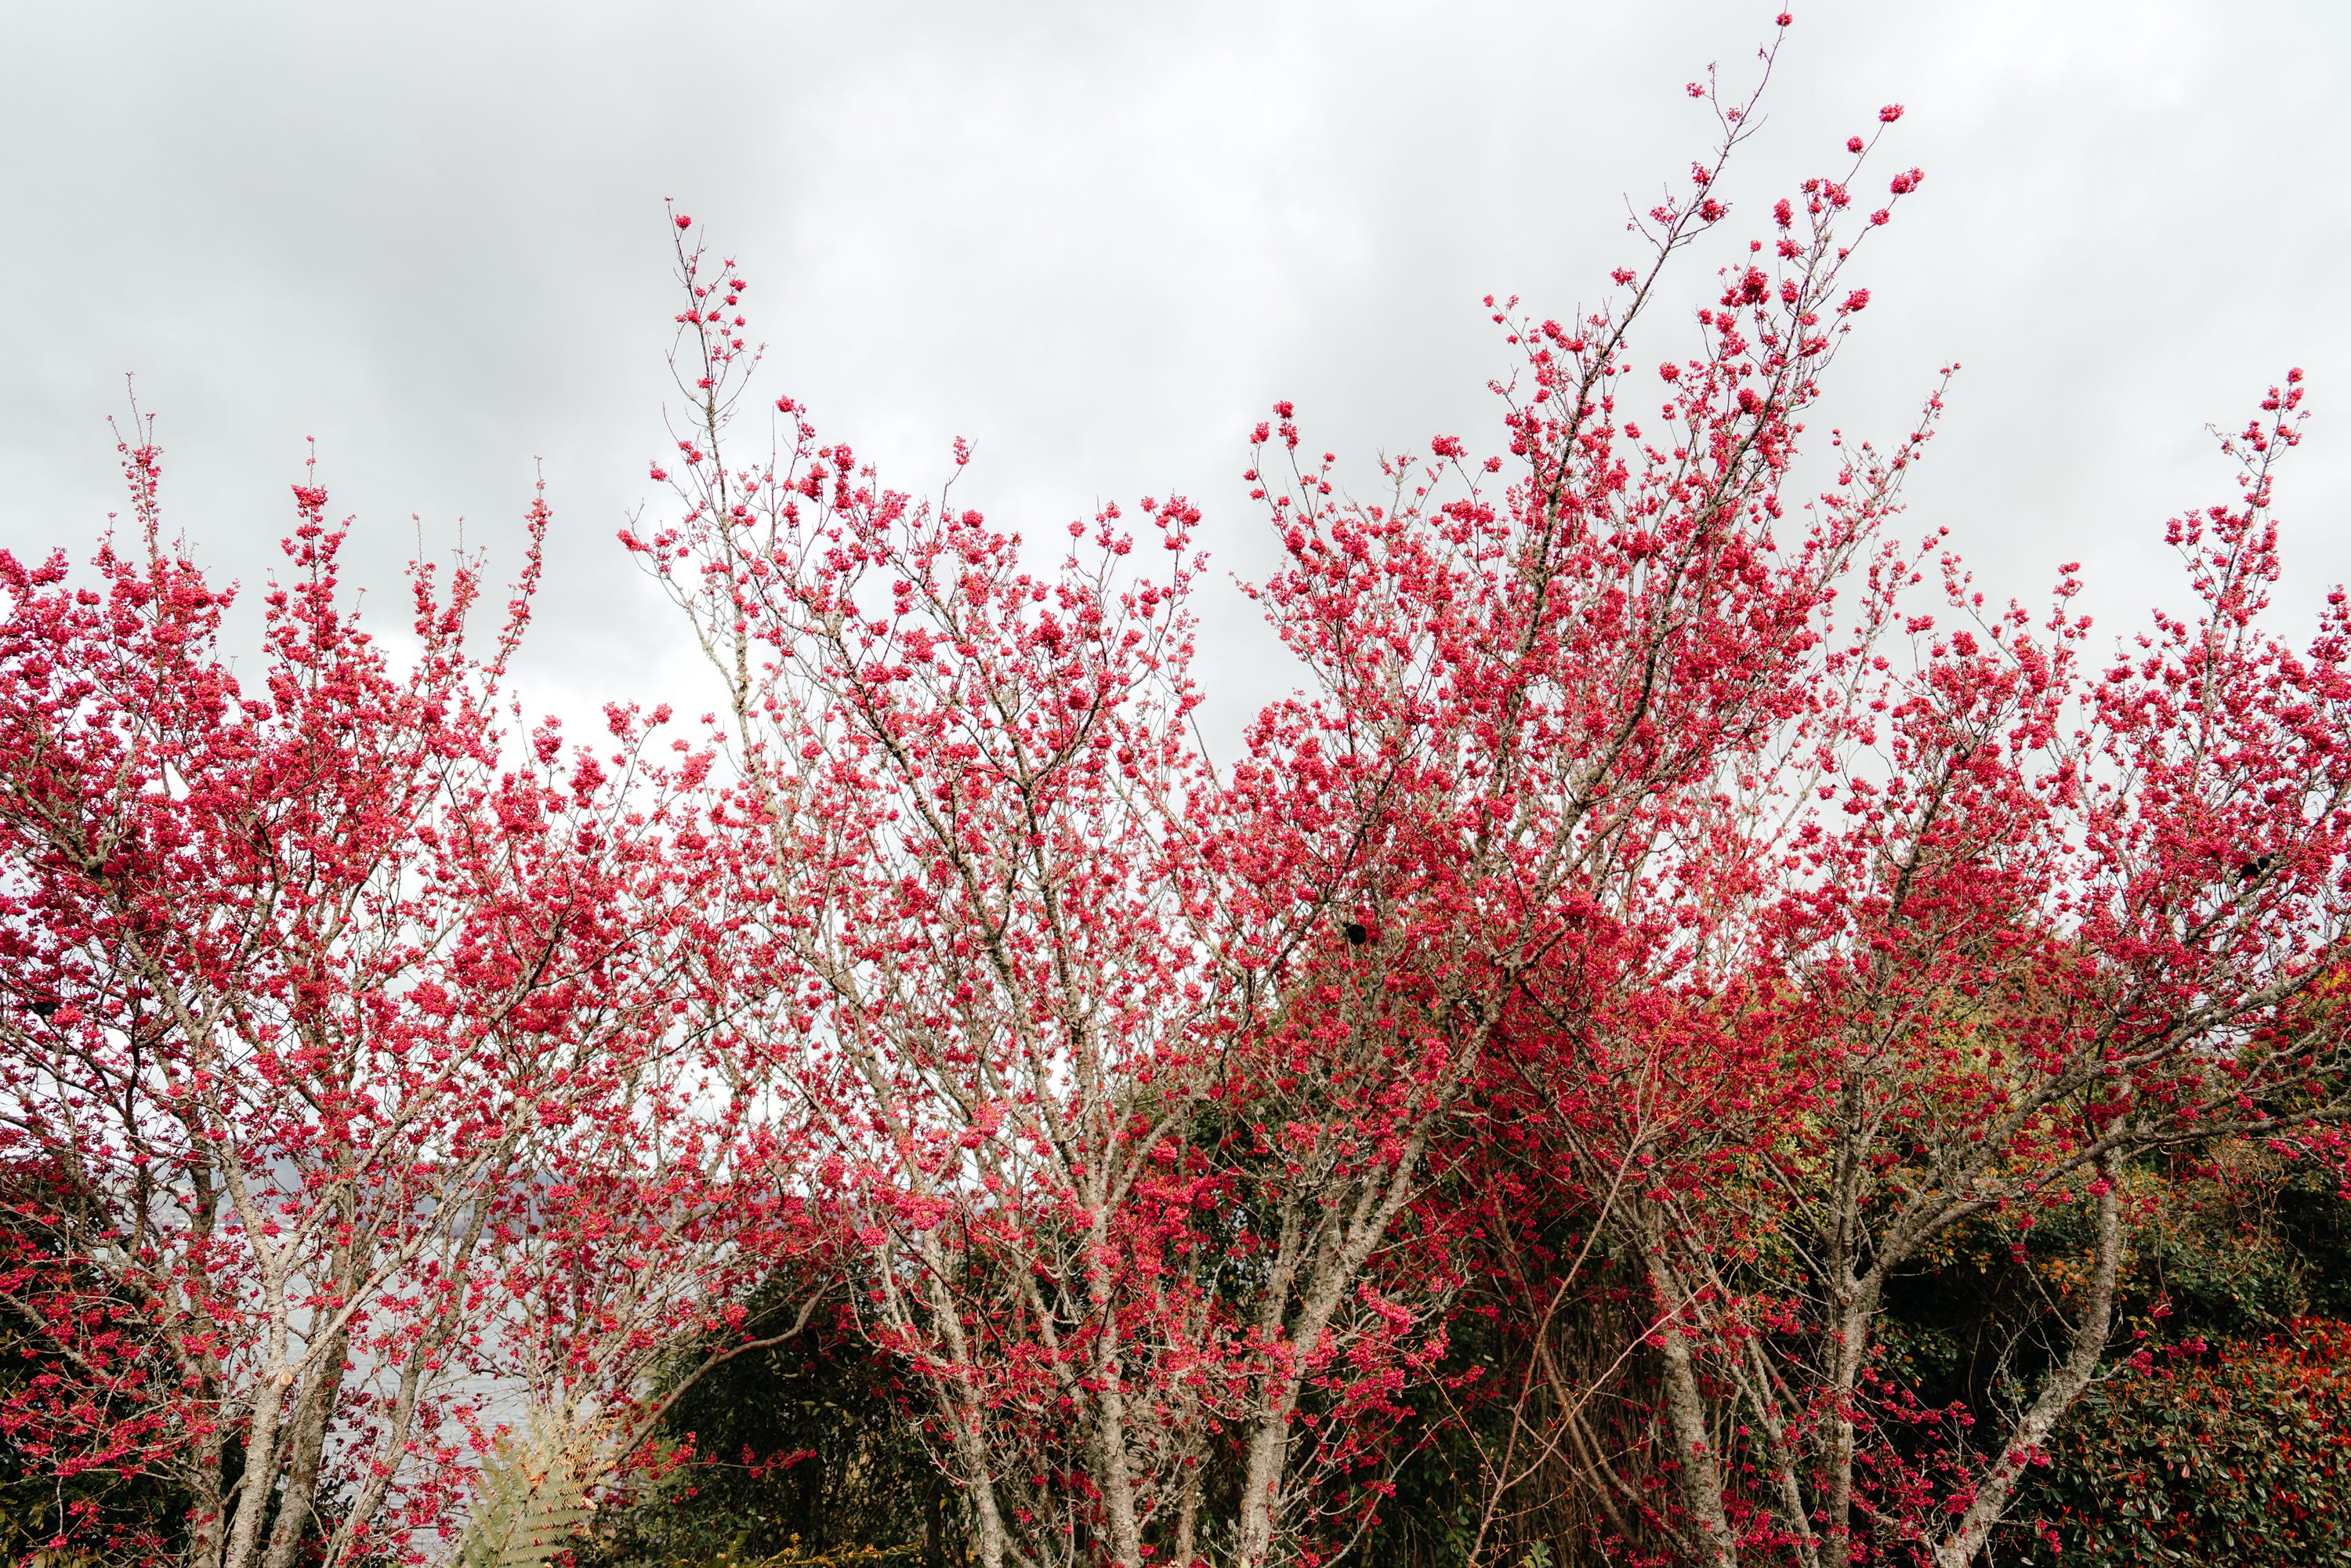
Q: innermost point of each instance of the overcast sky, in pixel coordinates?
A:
(1098, 239)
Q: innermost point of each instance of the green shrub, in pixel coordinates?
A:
(2239, 1456)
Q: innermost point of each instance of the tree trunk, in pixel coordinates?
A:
(1697, 1464)
(1112, 1474)
(1188, 1515)
(307, 1439)
(2066, 1384)
(260, 1476)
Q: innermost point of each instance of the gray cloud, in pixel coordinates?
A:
(1099, 240)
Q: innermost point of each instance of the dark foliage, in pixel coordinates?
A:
(804, 1449)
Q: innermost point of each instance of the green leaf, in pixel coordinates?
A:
(534, 1499)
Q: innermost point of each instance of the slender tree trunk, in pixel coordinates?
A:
(1260, 1488)
(1697, 1464)
(393, 1438)
(316, 1410)
(260, 1478)
(306, 1437)
(206, 1504)
(1188, 1512)
(1333, 1267)
(209, 1505)
(2064, 1386)
(958, 1406)
(1857, 1304)
(979, 1484)
(1117, 1483)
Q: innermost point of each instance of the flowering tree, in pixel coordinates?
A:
(1983, 924)
(1068, 1004)
(324, 1026)
(2073, 911)
(1555, 718)
(963, 812)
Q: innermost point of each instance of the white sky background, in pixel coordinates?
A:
(1099, 240)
